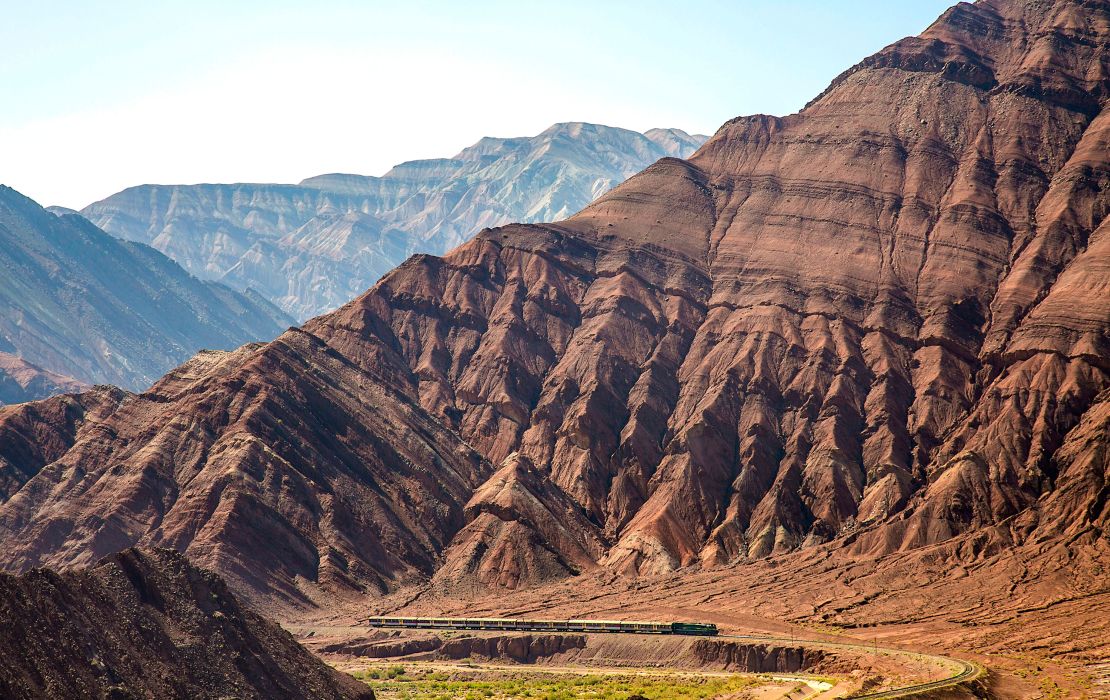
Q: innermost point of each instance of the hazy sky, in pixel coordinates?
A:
(98, 96)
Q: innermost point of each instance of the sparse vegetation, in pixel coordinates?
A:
(1050, 690)
(389, 684)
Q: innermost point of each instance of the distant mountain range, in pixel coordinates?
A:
(314, 246)
(80, 307)
(21, 381)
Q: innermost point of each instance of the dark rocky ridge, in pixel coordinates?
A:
(147, 624)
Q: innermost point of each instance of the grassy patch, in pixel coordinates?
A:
(513, 685)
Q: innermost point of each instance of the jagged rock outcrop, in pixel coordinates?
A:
(521, 530)
(148, 624)
(756, 658)
(878, 324)
(589, 649)
(381, 646)
(311, 247)
(79, 307)
(522, 648)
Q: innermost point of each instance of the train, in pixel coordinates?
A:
(519, 625)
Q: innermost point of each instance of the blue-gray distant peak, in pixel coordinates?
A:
(79, 307)
(313, 246)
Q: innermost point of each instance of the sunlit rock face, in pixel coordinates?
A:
(882, 315)
(312, 247)
(874, 325)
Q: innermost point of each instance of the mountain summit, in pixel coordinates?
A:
(311, 247)
(883, 320)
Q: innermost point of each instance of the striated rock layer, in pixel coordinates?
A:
(287, 468)
(881, 323)
(521, 528)
(884, 314)
(147, 624)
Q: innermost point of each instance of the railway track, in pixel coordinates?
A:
(964, 671)
(969, 673)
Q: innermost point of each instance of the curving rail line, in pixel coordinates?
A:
(966, 671)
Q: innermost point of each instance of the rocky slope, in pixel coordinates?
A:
(35, 434)
(145, 624)
(520, 528)
(22, 381)
(80, 307)
(314, 246)
(874, 327)
(882, 317)
(291, 469)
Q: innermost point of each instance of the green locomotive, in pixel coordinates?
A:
(520, 625)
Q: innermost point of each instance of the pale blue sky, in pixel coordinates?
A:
(100, 96)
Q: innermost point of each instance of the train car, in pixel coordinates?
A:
(694, 628)
(512, 624)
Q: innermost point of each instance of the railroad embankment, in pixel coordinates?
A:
(582, 649)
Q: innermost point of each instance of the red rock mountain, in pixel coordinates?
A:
(275, 465)
(21, 381)
(881, 322)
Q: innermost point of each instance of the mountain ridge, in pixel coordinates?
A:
(22, 381)
(268, 236)
(82, 306)
(835, 307)
(149, 624)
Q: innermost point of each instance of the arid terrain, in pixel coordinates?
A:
(147, 624)
(840, 375)
(79, 307)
